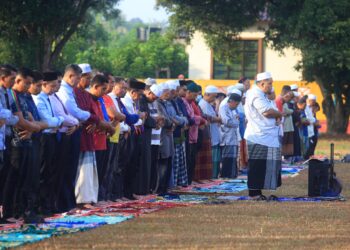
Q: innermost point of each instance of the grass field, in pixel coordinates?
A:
(239, 225)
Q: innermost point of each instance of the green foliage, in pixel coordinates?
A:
(100, 45)
(36, 31)
(320, 29)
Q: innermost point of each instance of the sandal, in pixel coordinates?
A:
(258, 198)
(272, 198)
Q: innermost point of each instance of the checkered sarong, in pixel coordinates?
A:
(264, 167)
(179, 165)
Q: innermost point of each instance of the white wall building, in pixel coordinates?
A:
(255, 57)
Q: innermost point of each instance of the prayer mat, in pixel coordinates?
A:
(283, 199)
(101, 220)
(177, 198)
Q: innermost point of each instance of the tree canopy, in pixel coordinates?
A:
(51, 34)
(34, 32)
(318, 28)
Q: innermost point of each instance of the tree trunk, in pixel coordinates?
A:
(46, 54)
(335, 110)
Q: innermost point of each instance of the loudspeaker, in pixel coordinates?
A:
(319, 173)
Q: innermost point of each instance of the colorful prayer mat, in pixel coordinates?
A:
(177, 198)
(283, 199)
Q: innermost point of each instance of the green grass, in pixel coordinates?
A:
(341, 145)
(238, 225)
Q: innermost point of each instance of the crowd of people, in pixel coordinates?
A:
(83, 137)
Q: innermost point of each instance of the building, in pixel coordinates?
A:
(254, 56)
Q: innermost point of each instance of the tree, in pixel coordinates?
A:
(36, 31)
(131, 57)
(318, 28)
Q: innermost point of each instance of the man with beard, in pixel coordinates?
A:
(264, 164)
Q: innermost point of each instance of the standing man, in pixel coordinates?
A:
(50, 174)
(229, 136)
(311, 100)
(66, 93)
(191, 95)
(19, 195)
(7, 79)
(262, 138)
(123, 158)
(166, 148)
(131, 102)
(115, 116)
(143, 177)
(64, 138)
(214, 120)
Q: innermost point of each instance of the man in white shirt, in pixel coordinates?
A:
(208, 110)
(262, 137)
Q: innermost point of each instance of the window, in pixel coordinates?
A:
(247, 62)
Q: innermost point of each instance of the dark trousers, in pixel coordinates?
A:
(131, 169)
(253, 192)
(105, 189)
(312, 146)
(191, 161)
(18, 196)
(164, 173)
(64, 163)
(229, 167)
(102, 165)
(115, 185)
(154, 167)
(70, 147)
(125, 150)
(5, 166)
(50, 174)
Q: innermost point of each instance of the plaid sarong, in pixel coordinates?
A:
(179, 165)
(204, 166)
(264, 167)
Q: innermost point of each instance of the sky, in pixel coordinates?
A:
(144, 9)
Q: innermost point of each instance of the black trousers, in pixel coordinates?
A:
(65, 164)
(154, 167)
(191, 161)
(18, 189)
(50, 173)
(125, 150)
(6, 165)
(164, 173)
(114, 185)
(102, 165)
(131, 168)
(254, 192)
(312, 146)
(70, 147)
(111, 163)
